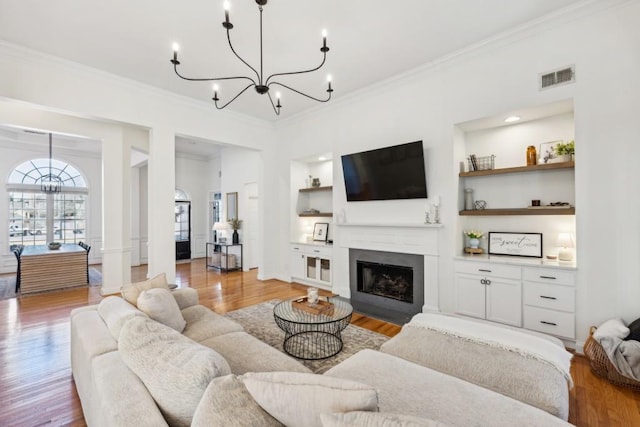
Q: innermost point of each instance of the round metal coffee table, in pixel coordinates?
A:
(312, 336)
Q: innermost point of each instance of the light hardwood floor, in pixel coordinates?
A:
(36, 386)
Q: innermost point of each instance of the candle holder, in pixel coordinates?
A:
(427, 217)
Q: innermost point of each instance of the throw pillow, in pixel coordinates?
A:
(298, 399)
(162, 307)
(375, 419)
(175, 369)
(634, 331)
(132, 291)
(115, 312)
(226, 402)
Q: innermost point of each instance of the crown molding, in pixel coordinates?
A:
(17, 53)
(555, 19)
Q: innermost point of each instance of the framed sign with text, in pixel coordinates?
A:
(515, 244)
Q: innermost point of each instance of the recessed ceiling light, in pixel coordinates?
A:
(322, 158)
(511, 119)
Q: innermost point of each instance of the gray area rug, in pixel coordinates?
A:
(8, 284)
(258, 321)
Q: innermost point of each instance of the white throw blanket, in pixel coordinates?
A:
(624, 355)
(528, 346)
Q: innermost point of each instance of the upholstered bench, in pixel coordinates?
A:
(527, 366)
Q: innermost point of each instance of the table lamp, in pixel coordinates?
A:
(566, 247)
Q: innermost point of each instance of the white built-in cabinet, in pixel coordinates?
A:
(491, 292)
(540, 298)
(311, 264)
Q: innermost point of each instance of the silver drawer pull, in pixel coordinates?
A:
(546, 297)
(483, 270)
(548, 323)
(548, 277)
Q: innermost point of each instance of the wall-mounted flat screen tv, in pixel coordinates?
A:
(388, 173)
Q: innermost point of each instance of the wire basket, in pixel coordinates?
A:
(602, 366)
(481, 163)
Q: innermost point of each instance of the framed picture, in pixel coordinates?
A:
(515, 244)
(320, 230)
(548, 151)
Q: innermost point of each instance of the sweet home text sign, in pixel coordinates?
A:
(515, 244)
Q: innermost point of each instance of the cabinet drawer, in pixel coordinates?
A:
(297, 248)
(554, 297)
(488, 269)
(549, 275)
(550, 321)
(318, 251)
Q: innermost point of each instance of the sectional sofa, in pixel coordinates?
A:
(134, 366)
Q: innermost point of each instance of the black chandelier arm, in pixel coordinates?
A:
(232, 99)
(324, 58)
(245, 62)
(276, 109)
(211, 79)
(302, 93)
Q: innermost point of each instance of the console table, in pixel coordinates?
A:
(224, 257)
(44, 269)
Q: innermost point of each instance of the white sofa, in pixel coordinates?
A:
(113, 395)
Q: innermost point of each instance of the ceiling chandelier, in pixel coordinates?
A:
(50, 183)
(259, 83)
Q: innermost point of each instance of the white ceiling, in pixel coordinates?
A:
(370, 40)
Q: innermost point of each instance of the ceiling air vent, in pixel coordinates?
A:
(559, 77)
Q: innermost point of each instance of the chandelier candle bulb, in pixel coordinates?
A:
(226, 7)
(176, 48)
(324, 38)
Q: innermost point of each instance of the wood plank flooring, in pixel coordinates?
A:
(37, 389)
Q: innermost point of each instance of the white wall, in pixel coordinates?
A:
(497, 78)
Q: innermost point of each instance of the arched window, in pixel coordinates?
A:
(35, 217)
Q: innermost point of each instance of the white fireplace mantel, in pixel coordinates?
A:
(409, 238)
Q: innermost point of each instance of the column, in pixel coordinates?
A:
(161, 203)
(116, 212)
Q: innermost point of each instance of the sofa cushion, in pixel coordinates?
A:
(226, 402)
(375, 419)
(175, 369)
(203, 323)
(160, 305)
(118, 396)
(132, 291)
(115, 312)
(298, 399)
(246, 353)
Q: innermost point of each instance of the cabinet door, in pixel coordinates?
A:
(311, 267)
(471, 295)
(325, 270)
(297, 261)
(504, 301)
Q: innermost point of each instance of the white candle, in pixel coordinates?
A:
(436, 200)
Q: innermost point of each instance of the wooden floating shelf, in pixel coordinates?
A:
(519, 169)
(312, 189)
(520, 211)
(315, 214)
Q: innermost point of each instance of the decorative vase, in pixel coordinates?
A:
(474, 243)
(235, 237)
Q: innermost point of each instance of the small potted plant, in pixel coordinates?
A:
(474, 238)
(565, 151)
(235, 224)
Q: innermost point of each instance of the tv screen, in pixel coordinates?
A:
(388, 173)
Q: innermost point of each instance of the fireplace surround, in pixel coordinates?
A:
(386, 285)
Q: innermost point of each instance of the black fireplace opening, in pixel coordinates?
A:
(385, 280)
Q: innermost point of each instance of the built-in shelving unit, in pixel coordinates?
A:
(521, 211)
(519, 169)
(538, 210)
(316, 190)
